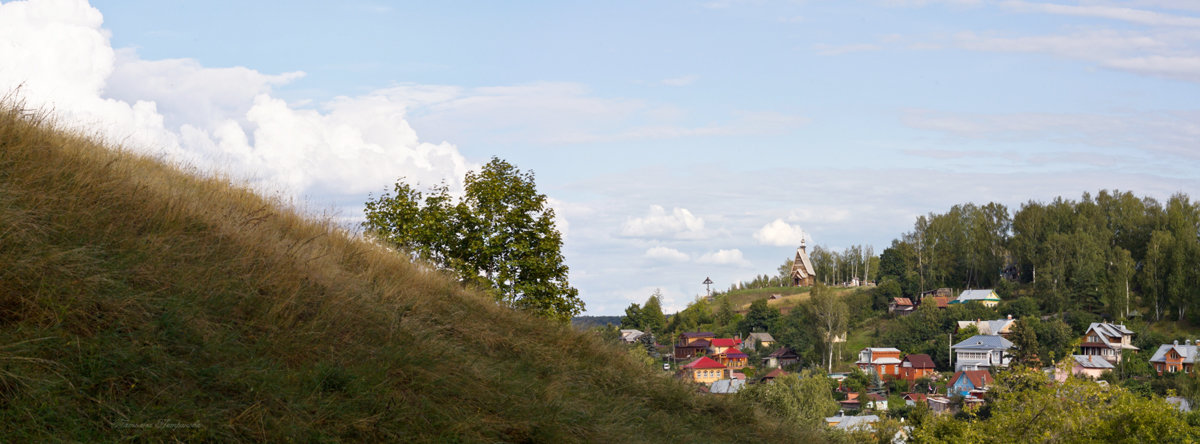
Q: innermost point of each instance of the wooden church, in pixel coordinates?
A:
(803, 274)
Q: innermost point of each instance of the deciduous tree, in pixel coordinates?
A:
(499, 236)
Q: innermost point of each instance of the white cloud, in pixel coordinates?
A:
(680, 81)
(558, 113)
(724, 257)
(679, 223)
(780, 234)
(210, 118)
(1132, 15)
(667, 253)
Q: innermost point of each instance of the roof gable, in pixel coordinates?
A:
(920, 360)
(977, 378)
(703, 363)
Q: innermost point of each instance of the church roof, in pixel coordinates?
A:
(802, 267)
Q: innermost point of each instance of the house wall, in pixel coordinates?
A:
(707, 375)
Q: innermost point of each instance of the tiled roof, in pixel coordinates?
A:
(915, 396)
(704, 362)
(920, 360)
(703, 343)
(903, 301)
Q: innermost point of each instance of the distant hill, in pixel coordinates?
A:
(141, 303)
(587, 322)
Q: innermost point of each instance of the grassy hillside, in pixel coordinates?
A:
(138, 302)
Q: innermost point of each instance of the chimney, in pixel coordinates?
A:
(1176, 342)
(1010, 317)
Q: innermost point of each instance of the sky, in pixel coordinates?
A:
(676, 140)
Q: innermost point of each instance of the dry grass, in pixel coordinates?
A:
(139, 302)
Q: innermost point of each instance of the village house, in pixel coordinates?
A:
(692, 343)
(881, 361)
(630, 336)
(942, 302)
(981, 352)
(1091, 366)
(969, 383)
(1107, 341)
(901, 306)
(780, 358)
(732, 358)
(803, 273)
(939, 404)
(771, 375)
(1001, 327)
(928, 295)
(852, 423)
(755, 339)
(912, 399)
(727, 386)
(718, 345)
(703, 370)
(1174, 358)
(916, 366)
(986, 297)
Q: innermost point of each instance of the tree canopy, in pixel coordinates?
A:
(500, 235)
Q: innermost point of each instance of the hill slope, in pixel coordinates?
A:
(140, 302)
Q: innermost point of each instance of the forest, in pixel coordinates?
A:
(1113, 254)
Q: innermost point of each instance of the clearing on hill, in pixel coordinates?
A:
(141, 303)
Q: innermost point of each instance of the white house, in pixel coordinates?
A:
(981, 352)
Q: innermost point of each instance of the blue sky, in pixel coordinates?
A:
(677, 140)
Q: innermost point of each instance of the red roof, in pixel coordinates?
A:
(941, 301)
(703, 363)
(774, 374)
(734, 353)
(903, 301)
(726, 342)
(978, 378)
(920, 360)
(915, 396)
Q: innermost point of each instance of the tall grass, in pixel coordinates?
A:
(142, 303)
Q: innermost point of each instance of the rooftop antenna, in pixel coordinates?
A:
(708, 285)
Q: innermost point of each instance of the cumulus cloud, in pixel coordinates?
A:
(667, 253)
(211, 118)
(724, 257)
(780, 234)
(679, 223)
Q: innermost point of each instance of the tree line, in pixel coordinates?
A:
(1107, 254)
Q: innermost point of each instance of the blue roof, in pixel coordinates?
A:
(984, 342)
